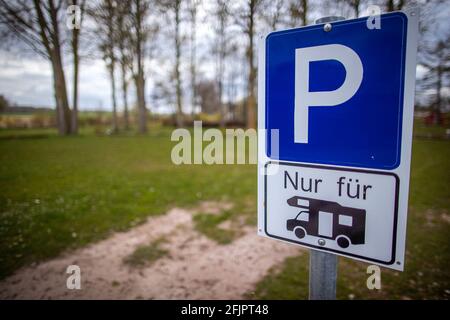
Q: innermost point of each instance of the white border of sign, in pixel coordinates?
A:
(402, 171)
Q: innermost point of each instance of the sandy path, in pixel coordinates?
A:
(196, 267)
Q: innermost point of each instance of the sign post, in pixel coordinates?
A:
(322, 265)
(322, 275)
(335, 117)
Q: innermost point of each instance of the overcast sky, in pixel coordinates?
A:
(27, 80)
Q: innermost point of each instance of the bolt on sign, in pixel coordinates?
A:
(335, 123)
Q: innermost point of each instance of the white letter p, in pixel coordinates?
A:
(305, 99)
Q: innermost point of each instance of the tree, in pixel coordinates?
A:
(105, 15)
(4, 103)
(125, 59)
(38, 25)
(247, 20)
(173, 8)
(392, 5)
(435, 57)
(193, 8)
(79, 14)
(355, 5)
(273, 13)
(139, 12)
(176, 9)
(298, 12)
(222, 14)
(232, 83)
(208, 96)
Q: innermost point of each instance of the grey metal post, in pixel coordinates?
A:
(322, 275)
(322, 265)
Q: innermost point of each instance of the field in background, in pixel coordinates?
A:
(65, 192)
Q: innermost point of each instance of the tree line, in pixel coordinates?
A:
(126, 33)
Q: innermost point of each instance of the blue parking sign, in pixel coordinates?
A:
(335, 120)
(364, 128)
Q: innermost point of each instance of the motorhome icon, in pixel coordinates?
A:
(327, 219)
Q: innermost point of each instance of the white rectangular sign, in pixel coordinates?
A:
(329, 209)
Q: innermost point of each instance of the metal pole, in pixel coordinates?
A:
(322, 265)
(322, 275)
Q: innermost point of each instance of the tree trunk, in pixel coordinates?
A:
(220, 73)
(251, 100)
(62, 104)
(125, 96)
(179, 115)
(140, 85)
(437, 111)
(193, 60)
(220, 77)
(74, 124)
(304, 12)
(76, 63)
(356, 4)
(115, 127)
(390, 5)
(222, 51)
(221, 104)
(139, 74)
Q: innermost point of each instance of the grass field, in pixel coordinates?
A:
(59, 193)
(65, 192)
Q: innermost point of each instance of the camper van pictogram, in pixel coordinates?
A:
(327, 219)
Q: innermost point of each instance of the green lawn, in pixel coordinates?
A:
(65, 192)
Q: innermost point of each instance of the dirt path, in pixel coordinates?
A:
(196, 267)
